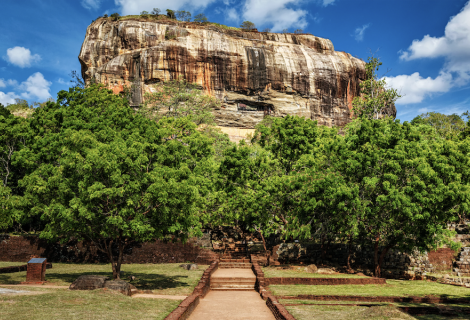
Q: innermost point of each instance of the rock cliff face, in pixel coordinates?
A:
(252, 73)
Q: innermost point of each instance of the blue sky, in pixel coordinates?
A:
(424, 44)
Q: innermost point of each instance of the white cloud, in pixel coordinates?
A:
(232, 15)
(21, 57)
(35, 87)
(7, 98)
(91, 4)
(359, 32)
(414, 88)
(137, 6)
(274, 12)
(454, 46)
(61, 81)
(328, 2)
(4, 83)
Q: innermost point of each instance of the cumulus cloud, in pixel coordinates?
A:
(35, 87)
(91, 4)
(359, 32)
(414, 88)
(7, 98)
(4, 83)
(232, 15)
(454, 46)
(137, 6)
(274, 12)
(21, 57)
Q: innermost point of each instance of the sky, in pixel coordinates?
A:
(424, 44)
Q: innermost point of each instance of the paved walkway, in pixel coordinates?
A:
(231, 305)
(158, 296)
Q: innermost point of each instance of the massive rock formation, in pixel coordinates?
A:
(252, 73)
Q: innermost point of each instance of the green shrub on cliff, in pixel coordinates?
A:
(247, 26)
(201, 17)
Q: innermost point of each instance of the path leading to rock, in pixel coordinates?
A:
(231, 305)
(232, 296)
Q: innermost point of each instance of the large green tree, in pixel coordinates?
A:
(447, 126)
(98, 171)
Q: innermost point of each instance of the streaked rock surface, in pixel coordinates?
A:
(252, 73)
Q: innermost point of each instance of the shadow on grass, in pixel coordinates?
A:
(144, 281)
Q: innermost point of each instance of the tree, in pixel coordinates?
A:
(201, 17)
(183, 15)
(115, 16)
(170, 14)
(98, 171)
(285, 30)
(375, 97)
(144, 13)
(247, 26)
(13, 137)
(298, 31)
(408, 184)
(447, 126)
(155, 11)
(179, 98)
(267, 30)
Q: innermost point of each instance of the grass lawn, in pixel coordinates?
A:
(274, 272)
(96, 304)
(346, 313)
(392, 288)
(167, 279)
(11, 264)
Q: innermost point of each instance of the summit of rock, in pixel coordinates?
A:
(253, 74)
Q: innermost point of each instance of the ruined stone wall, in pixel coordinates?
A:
(253, 74)
(21, 249)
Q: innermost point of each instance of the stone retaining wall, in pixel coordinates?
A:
(21, 249)
(376, 299)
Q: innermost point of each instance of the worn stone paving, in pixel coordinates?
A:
(232, 304)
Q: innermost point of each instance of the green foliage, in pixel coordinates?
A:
(170, 14)
(375, 96)
(447, 126)
(144, 14)
(182, 15)
(201, 17)
(4, 112)
(179, 98)
(298, 31)
(99, 171)
(156, 11)
(247, 26)
(115, 16)
(267, 30)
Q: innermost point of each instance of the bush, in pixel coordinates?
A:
(183, 15)
(170, 14)
(201, 17)
(267, 30)
(115, 16)
(105, 15)
(247, 26)
(156, 11)
(144, 14)
(298, 31)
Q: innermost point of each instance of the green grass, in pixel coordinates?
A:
(392, 288)
(347, 313)
(96, 304)
(273, 272)
(160, 278)
(11, 264)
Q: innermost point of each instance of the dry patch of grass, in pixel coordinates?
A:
(96, 304)
(168, 279)
(392, 288)
(276, 272)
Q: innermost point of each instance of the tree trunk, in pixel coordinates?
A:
(116, 263)
(349, 253)
(376, 258)
(323, 249)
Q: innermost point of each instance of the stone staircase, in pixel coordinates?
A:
(235, 256)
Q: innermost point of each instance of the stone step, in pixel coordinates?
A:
(243, 260)
(239, 265)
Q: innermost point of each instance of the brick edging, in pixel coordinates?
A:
(324, 281)
(413, 299)
(278, 310)
(187, 306)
